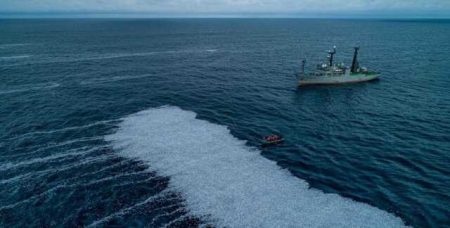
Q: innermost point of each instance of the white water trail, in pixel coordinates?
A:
(75, 59)
(57, 156)
(167, 214)
(159, 196)
(12, 45)
(229, 183)
(103, 122)
(32, 87)
(14, 57)
(53, 145)
(113, 79)
(37, 174)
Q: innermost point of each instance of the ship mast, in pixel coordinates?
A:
(355, 64)
(303, 67)
(331, 56)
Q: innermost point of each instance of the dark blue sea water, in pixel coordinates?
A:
(124, 123)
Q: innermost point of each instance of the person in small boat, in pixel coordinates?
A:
(272, 138)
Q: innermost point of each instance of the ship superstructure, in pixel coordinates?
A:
(331, 73)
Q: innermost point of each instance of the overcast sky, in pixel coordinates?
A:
(391, 8)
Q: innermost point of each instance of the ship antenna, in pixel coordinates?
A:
(303, 67)
(355, 64)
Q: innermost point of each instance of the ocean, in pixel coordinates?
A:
(158, 123)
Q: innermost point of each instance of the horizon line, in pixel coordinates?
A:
(306, 15)
(219, 17)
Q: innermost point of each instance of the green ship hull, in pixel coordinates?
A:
(338, 79)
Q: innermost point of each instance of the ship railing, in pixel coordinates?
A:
(319, 74)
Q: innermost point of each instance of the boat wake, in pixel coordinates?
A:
(229, 184)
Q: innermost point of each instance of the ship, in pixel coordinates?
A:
(332, 74)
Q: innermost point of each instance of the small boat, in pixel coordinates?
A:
(332, 74)
(271, 140)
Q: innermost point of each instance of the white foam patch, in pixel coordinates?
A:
(229, 183)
